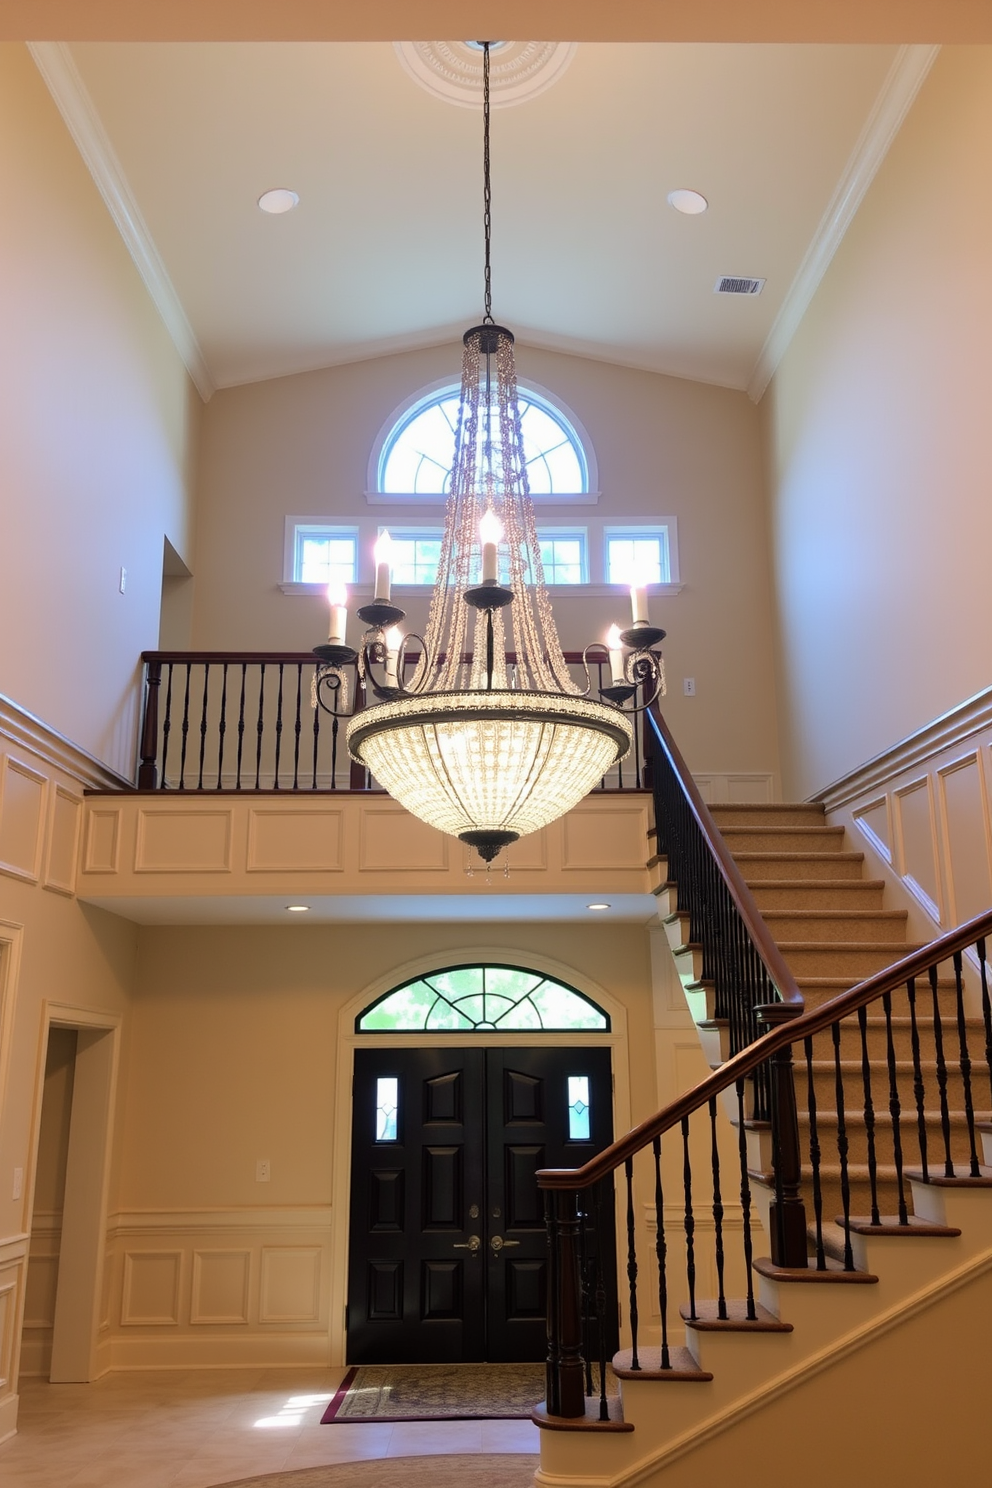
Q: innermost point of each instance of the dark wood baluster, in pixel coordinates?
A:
(964, 1059)
(184, 729)
(147, 773)
(842, 1150)
(690, 1222)
(586, 1289)
(316, 746)
(166, 726)
(203, 724)
(297, 726)
(745, 1202)
(895, 1108)
(938, 1040)
(275, 781)
(661, 1251)
(869, 1116)
(814, 1157)
(241, 722)
(570, 1368)
(552, 1385)
(260, 727)
(986, 1006)
(628, 1170)
(919, 1088)
(788, 1228)
(721, 1305)
(604, 1217)
(222, 728)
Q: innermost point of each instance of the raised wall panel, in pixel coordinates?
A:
(917, 848)
(220, 1286)
(294, 841)
(386, 1195)
(385, 1291)
(103, 830)
(289, 1289)
(151, 1288)
(183, 842)
(441, 1289)
(524, 1200)
(597, 840)
(8, 1313)
(39, 1291)
(443, 1205)
(394, 841)
(966, 834)
(22, 817)
(63, 841)
(873, 820)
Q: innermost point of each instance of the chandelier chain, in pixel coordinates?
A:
(487, 194)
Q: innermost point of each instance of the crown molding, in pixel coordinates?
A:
(905, 78)
(54, 61)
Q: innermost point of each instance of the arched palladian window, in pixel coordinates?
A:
(483, 999)
(416, 452)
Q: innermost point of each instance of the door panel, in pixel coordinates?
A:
(472, 1127)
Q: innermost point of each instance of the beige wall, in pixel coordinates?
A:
(300, 446)
(880, 449)
(95, 435)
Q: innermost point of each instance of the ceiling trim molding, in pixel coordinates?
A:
(905, 78)
(55, 63)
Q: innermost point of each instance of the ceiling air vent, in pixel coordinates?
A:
(728, 285)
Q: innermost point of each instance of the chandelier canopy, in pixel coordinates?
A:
(490, 737)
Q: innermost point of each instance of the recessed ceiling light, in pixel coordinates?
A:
(278, 200)
(599, 906)
(689, 202)
(298, 908)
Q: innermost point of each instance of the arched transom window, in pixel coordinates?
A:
(416, 455)
(483, 999)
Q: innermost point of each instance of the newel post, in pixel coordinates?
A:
(565, 1365)
(788, 1212)
(147, 768)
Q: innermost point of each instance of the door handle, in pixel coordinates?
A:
(498, 1244)
(473, 1243)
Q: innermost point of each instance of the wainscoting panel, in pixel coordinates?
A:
(735, 788)
(103, 835)
(22, 818)
(173, 841)
(151, 1288)
(392, 838)
(591, 843)
(63, 841)
(9, 1278)
(295, 841)
(220, 1286)
(290, 1290)
(922, 812)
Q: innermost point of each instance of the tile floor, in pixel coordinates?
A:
(198, 1428)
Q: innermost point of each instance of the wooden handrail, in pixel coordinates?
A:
(784, 981)
(787, 1033)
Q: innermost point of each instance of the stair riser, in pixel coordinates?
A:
(824, 1087)
(784, 839)
(857, 1138)
(814, 896)
(877, 1040)
(756, 867)
(855, 961)
(868, 929)
(777, 815)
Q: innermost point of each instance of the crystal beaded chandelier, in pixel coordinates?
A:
(490, 737)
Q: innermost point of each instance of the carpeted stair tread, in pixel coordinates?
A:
(683, 1365)
(708, 1319)
(589, 1422)
(801, 1275)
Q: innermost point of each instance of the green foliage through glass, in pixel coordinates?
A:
(483, 999)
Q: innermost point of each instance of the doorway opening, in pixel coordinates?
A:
(448, 1249)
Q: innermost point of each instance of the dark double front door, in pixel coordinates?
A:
(448, 1252)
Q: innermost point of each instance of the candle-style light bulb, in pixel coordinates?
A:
(490, 534)
(393, 638)
(615, 647)
(382, 553)
(337, 598)
(639, 599)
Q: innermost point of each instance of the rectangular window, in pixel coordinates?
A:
(416, 554)
(578, 1108)
(325, 555)
(387, 1096)
(638, 556)
(564, 556)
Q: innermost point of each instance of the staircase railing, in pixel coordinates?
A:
(893, 1071)
(246, 721)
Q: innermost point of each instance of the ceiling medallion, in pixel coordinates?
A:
(452, 70)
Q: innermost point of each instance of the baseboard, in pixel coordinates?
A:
(260, 1351)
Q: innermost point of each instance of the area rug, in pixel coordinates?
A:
(480, 1470)
(437, 1392)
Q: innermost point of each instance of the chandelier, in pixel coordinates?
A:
(490, 737)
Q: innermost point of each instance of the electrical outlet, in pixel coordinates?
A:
(122, 584)
(689, 686)
(18, 1183)
(263, 1170)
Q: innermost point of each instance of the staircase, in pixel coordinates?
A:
(893, 1104)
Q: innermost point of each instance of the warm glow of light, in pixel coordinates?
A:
(613, 640)
(298, 908)
(383, 550)
(393, 638)
(490, 528)
(337, 595)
